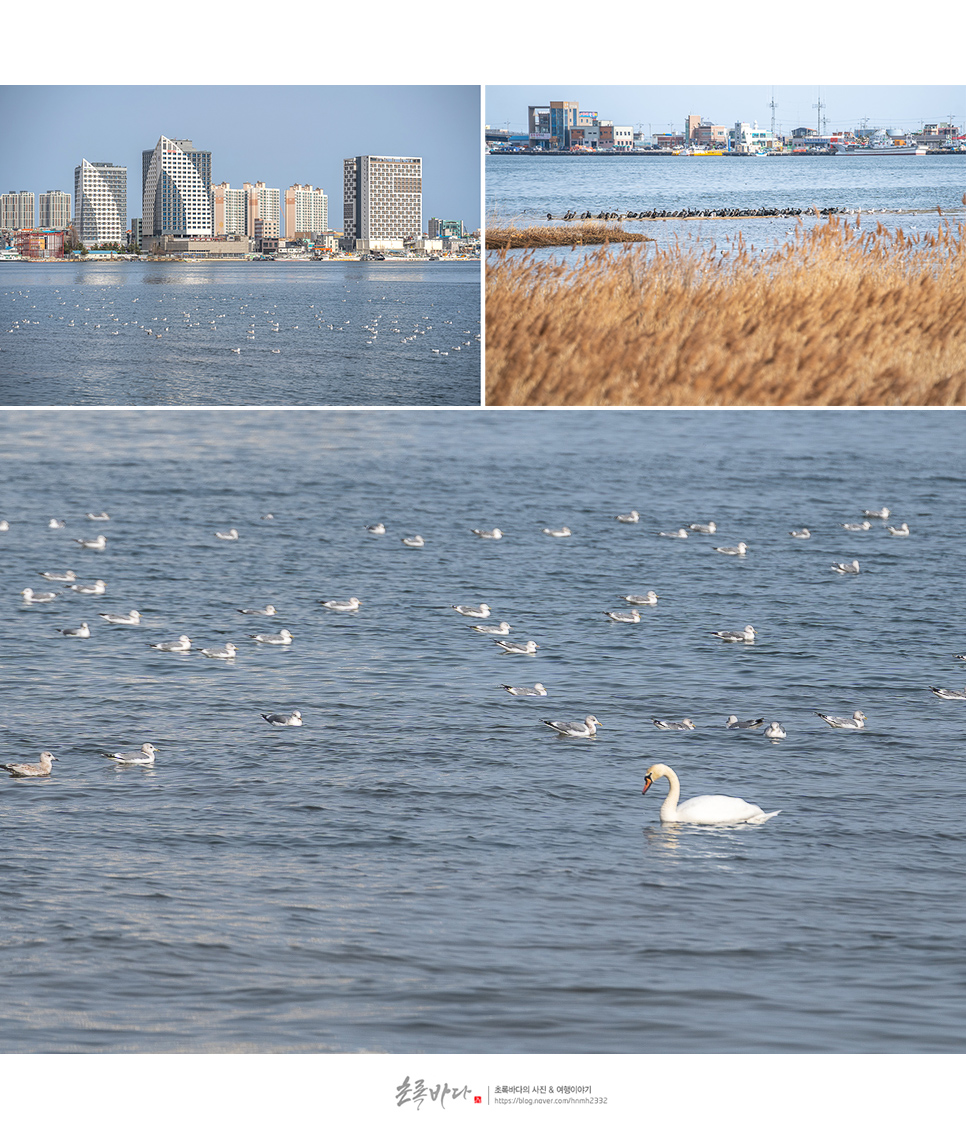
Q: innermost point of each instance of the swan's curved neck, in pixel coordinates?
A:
(669, 808)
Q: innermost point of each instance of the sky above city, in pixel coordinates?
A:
(276, 135)
(659, 109)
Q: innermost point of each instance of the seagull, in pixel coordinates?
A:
(857, 525)
(745, 635)
(67, 575)
(97, 543)
(899, 531)
(511, 647)
(30, 597)
(739, 549)
(630, 618)
(4, 524)
(481, 610)
(537, 690)
(775, 731)
(231, 536)
(227, 653)
(181, 645)
(734, 722)
(649, 598)
(494, 630)
(582, 730)
(349, 606)
(855, 721)
(632, 517)
(83, 631)
(102, 517)
(378, 528)
(283, 719)
(561, 532)
(948, 693)
(131, 618)
(803, 533)
(682, 533)
(415, 541)
(56, 524)
(883, 513)
(684, 725)
(283, 637)
(134, 758)
(97, 588)
(31, 769)
(268, 611)
(845, 567)
(494, 533)
(702, 528)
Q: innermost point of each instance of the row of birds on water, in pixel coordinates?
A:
(690, 812)
(706, 212)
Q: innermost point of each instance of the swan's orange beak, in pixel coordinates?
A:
(647, 782)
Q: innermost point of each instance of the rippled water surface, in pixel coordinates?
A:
(424, 866)
(345, 333)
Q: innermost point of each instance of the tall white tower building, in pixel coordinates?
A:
(382, 201)
(100, 202)
(176, 189)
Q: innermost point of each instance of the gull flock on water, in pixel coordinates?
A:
(713, 809)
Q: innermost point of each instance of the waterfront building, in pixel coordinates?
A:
(306, 211)
(54, 210)
(17, 210)
(264, 206)
(436, 227)
(136, 232)
(229, 210)
(176, 190)
(100, 203)
(43, 244)
(550, 125)
(748, 138)
(382, 201)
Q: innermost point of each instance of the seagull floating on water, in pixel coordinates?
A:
(494, 533)
(803, 533)
(181, 645)
(632, 517)
(845, 567)
(349, 606)
(649, 598)
(31, 598)
(231, 536)
(734, 722)
(883, 513)
(227, 653)
(745, 635)
(494, 630)
(537, 690)
(377, 528)
(283, 719)
(948, 693)
(98, 543)
(102, 517)
(703, 528)
(267, 611)
(684, 725)
(738, 550)
(512, 647)
(628, 618)
(416, 541)
(283, 637)
(56, 524)
(30, 770)
(133, 617)
(582, 730)
(855, 721)
(141, 758)
(67, 575)
(682, 533)
(899, 531)
(83, 631)
(481, 610)
(560, 532)
(775, 731)
(97, 588)
(857, 525)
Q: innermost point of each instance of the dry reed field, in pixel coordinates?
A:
(837, 316)
(512, 236)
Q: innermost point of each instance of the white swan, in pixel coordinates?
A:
(705, 808)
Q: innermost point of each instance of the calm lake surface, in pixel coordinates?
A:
(336, 333)
(526, 188)
(424, 866)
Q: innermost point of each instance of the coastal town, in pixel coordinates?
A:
(561, 127)
(186, 217)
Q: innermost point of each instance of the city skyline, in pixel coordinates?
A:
(282, 136)
(662, 108)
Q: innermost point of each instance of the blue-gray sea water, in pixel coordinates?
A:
(898, 192)
(424, 866)
(258, 333)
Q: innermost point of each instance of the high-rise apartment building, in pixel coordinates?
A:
(100, 202)
(382, 201)
(230, 210)
(176, 190)
(265, 206)
(54, 210)
(437, 227)
(17, 210)
(306, 211)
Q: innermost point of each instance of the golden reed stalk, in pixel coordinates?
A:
(834, 317)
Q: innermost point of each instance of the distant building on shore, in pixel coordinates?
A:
(176, 191)
(100, 203)
(54, 210)
(17, 210)
(382, 202)
(306, 211)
